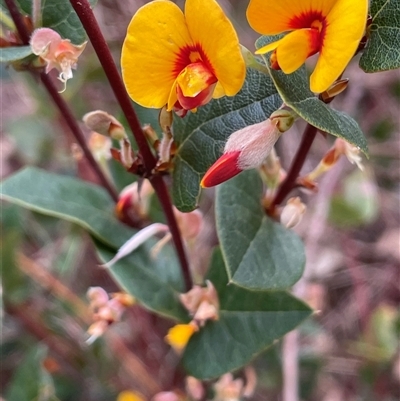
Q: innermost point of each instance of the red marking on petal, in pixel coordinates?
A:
(225, 168)
(305, 20)
(315, 42)
(191, 54)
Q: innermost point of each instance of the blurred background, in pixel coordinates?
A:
(348, 351)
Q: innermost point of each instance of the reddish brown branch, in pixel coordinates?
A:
(290, 181)
(85, 14)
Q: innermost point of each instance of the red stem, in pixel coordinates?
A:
(60, 103)
(165, 200)
(290, 181)
(85, 14)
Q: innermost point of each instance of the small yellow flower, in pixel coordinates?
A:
(181, 59)
(332, 28)
(179, 335)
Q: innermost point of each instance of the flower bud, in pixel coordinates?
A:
(293, 212)
(248, 148)
(104, 124)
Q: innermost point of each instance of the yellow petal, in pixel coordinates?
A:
(179, 335)
(130, 396)
(345, 27)
(269, 48)
(156, 35)
(218, 91)
(294, 49)
(211, 29)
(173, 97)
(276, 16)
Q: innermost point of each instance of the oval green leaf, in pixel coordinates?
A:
(295, 90)
(249, 322)
(383, 48)
(60, 16)
(155, 282)
(258, 252)
(201, 136)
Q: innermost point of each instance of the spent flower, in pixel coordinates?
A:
(56, 52)
(332, 28)
(178, 59)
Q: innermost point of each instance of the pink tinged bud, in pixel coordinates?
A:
(248, 148)
(104, 124)
(293, 212)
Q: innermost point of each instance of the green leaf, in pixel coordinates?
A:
(295, 91)
(67, 198)
(201, 136)
(258, 252)
(383, 48)
(60, 16)
(249, 322)
(9, 54)
(155, 281)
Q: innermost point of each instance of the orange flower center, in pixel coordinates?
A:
(317, 22)
(195, 77)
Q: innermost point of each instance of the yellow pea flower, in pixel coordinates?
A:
(178, 59)
(332, 28)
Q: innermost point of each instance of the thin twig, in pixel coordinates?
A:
(60, 103)
(85, 14)
(78, 134)
(290, 181)
(166, 204)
